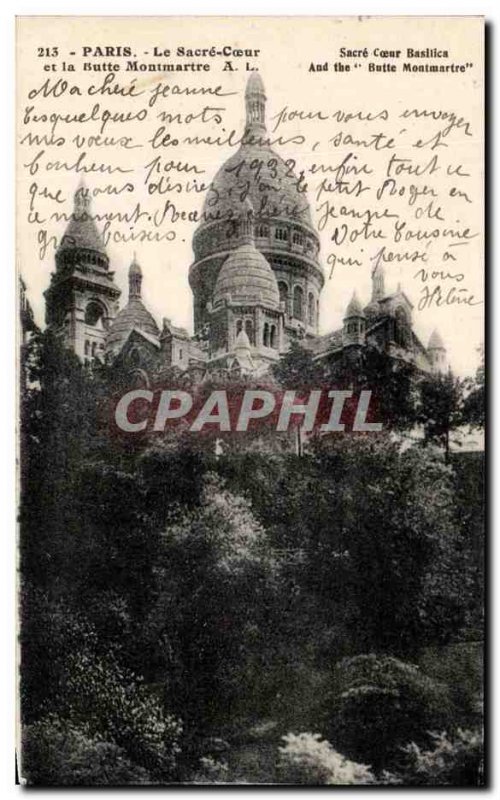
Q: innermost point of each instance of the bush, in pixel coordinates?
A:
(455, 761)
(57, 753)
(379, 704)
(116, 704)
(211, 771)
(307, 759)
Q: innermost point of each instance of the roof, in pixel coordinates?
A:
(354, 308)
(135, 267)
(134, 316)
(435, 341)
(272, 189)
(82, 231)
(255, 84)
(246, 277)
(274, 194)
(326, 343)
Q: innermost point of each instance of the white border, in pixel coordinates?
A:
(491, 10)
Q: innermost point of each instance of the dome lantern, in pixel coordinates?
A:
(134, 279)
(255, 102)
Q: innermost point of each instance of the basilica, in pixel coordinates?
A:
(256, 280)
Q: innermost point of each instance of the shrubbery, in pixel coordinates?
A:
(379, 704)
(114, 703)
(308, 759)
(453, 761)
(60, 753)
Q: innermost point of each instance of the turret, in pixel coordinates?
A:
(82, 242)
(134, 279)
(353, 332)
(437, 352)
(378, 283)
(82, 299)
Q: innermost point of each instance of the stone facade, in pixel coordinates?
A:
(256, 280)
(82, 299)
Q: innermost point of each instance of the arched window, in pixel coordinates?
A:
(273, 341)
(281, 234)
(94, 349)
(310, 309)
(298, 237)
(94, 314)
(283, 290)
(134, 357)
(266, 335)
(262, 231)
(298, 303)
(249, 330)
(87, 347)
(402, 327)
(239, 326)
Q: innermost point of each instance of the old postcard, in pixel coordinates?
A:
(251, 369)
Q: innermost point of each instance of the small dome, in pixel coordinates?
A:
(435, 341)
(246, 277)
(354, 308)
(134, 315)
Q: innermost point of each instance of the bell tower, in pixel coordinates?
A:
(82, 298)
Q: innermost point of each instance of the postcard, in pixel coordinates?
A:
(250, 258)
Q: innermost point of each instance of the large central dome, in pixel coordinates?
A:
(257, 172)
(283, 230)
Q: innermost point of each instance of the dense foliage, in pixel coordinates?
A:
(176, 599)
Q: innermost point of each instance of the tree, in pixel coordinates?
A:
(441, 407)
(393, 384)
(474, 407)
(216, 586)
(378, 704)
(297, 369)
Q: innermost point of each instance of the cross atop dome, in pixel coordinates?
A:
(255, 101)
